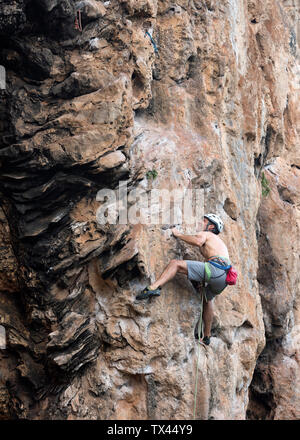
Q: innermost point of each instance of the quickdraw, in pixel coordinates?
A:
(78, 24)
(152, 41)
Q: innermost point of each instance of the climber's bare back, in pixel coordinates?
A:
(211, 245)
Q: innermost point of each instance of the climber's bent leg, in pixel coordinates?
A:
(208, 314)
(169, 272)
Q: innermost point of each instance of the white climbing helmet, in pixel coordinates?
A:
(215, 219)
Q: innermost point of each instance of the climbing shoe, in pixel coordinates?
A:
(206, 340)
(147, 293)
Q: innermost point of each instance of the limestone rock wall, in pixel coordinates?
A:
(210, 101)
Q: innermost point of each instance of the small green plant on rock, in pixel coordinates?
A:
(265, 185)
(151, 174)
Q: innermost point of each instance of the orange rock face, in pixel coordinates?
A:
(162, 96)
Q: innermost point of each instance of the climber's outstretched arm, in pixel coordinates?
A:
(196, 240)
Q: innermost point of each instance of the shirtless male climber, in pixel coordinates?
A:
(213, 249)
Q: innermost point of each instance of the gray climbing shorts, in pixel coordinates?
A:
(216, 284)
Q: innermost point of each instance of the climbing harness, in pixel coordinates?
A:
(78, 24)
(231, 271)
(219, 266)
(152, 41)
(213, 262)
